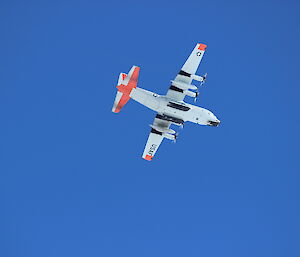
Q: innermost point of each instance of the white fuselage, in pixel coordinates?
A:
(181, 110)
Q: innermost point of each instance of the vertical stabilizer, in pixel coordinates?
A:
(125, 84)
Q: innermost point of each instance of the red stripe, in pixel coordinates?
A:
(132, 83)
(126, 89)
(124, 99)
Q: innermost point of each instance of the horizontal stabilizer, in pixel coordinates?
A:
(125, 85)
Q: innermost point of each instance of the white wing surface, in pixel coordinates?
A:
(180, 85)
(160, 130)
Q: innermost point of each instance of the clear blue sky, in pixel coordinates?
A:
(72, 182)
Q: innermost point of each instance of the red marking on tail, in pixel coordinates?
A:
(124, 99)
(126, 89)
(132, 83)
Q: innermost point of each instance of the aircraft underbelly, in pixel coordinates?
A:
(172, 112)
(147, 98)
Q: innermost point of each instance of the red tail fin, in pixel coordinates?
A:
(125, 86)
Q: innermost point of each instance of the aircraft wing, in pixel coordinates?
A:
(186, 74)
(156, 136)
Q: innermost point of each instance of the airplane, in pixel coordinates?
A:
(170, 108)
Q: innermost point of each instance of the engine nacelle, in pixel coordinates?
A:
(163, 130)
(197, 77)
(169, 136)
(190, 93)
(183, 85)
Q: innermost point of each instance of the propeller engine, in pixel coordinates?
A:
(183, 85)
(163, 130)
(166, 132)
(188, 87)
(169, 136)
(190, 93)
(204, 79)
(199, 78)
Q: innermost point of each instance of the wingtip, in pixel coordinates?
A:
(148, 157)
(202, 46)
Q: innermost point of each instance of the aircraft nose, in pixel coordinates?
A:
(214, 123)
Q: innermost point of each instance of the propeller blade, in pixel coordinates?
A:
(175, 137)
(197, 94)
(204, 79)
